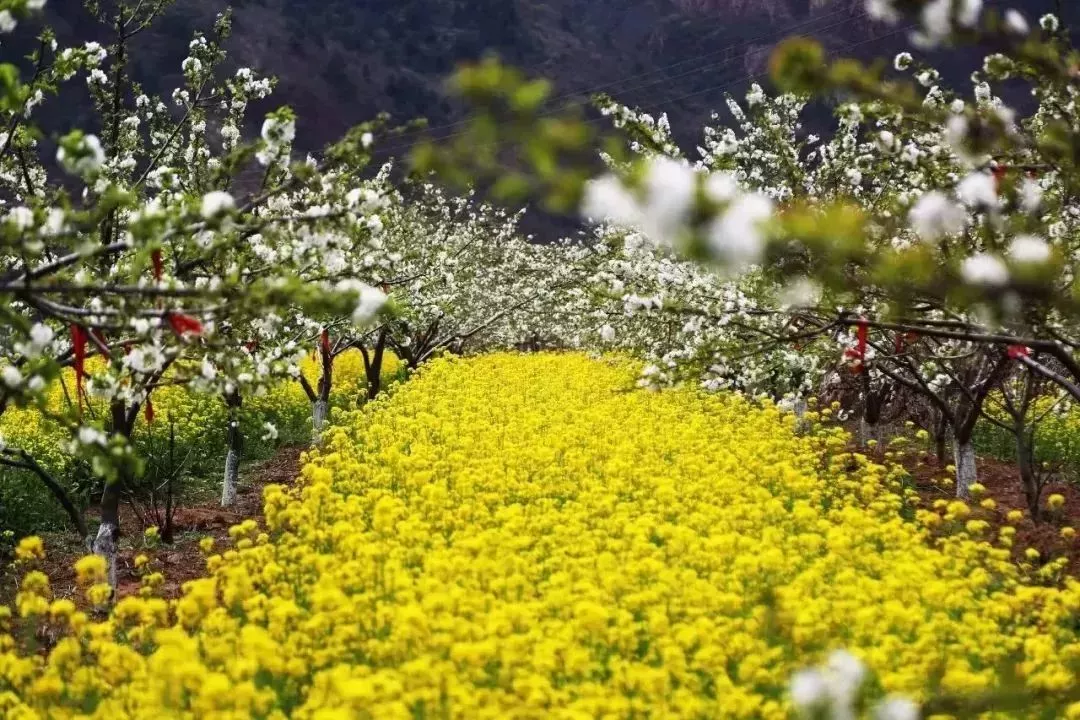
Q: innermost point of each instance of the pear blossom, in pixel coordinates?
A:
(1030, 249)
(216, 203)
(985, 270)
(934, 215)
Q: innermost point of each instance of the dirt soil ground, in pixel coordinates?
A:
(180, 561)
(1002, 483)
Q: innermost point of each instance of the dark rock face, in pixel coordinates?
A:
(341, 61)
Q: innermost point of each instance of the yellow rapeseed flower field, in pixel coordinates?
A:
(527, 537)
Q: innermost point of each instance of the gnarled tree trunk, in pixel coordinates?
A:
(373, 362)
(1029, 477)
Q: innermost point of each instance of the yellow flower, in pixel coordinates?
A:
(988, 504)
(527, 536)
(1031, 554)
(977, 490)
(99, 594)
(91, 569)
(1068, 532)
(1055, 501)
(30, 548)
(1015, 516)
(141, 561)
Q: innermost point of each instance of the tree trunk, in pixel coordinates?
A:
(235, 441)
(941, 434)
(109, 531)
(320, 409)
(801, 425)
(966, 474)
(374, 368)
(868, 431)
(1025, 460)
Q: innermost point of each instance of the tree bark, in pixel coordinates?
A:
(868, 430)
(1025, 461)
(108, 533)
(235, 441)
(374, 368)
(941, 435)
(320, 409)
(800, 406)
(966, 473)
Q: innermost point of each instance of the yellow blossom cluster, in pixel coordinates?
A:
(520, 536)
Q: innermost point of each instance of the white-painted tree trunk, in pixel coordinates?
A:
(232, 474)
(801, 425)
(867, 431)
(319, 411)
(104, 544)
(966, 474)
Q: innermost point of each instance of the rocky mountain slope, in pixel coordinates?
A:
(342, 61)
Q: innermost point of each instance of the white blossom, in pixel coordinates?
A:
(270, 432)
(935, 215)
(1029, 249)
(90, 157)
(369, 302)
(978, 190)
(882, 10)
(91, 436)
(215, 203)
(21, 217)
(896, 708)
(606, 198)
(985, 270)
(1016, 23)
(669, 193)
(735, 237)
(809, 691)
(11, 376)
(1031, 194)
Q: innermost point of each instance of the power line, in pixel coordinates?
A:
(768, 38)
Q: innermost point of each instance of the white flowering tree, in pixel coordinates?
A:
(137, 245)
(928, 213)
(463, 275)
